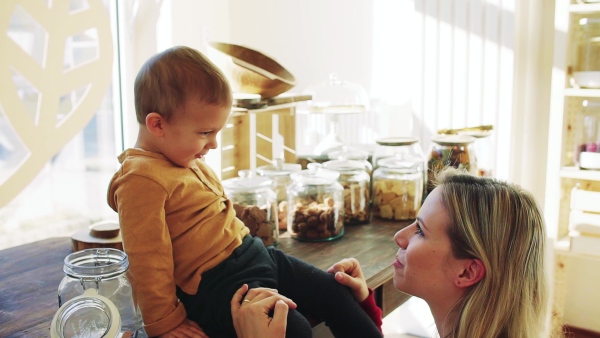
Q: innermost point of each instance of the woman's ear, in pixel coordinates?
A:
(154, 124)
(472, 272)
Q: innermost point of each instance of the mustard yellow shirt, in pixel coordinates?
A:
(176, 223)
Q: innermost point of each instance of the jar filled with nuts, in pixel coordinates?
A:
(450, 150)
(357, 189)
(279, 172)
(255, 204)
(397, 188)
(315, 205)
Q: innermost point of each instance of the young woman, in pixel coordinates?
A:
(475, 254)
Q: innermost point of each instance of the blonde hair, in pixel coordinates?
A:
(168, 79)
(501, 225)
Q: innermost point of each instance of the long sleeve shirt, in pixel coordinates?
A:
(176, 223)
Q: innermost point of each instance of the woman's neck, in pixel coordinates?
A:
(445, 315)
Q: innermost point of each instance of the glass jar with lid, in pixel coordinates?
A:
(346, 152)
(450, 150)
(397, 188)
(357, 189)
(587, 66)
(255, 204)
(483, 151)
(279, 172)
(315, 204)
(401, 147)
(587, 136)
(95, 290)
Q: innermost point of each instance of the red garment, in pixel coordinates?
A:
(371, 308)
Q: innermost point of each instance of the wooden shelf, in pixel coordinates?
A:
(580, 92)
(563, 247)
(574, 172)
(584, 8)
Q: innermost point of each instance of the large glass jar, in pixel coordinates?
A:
(357, 189)
(483, 151)
(408, 148)
(450, 151)
(397, 189)
(587, 66)
(315, 205)
(95, 291)
(587, 136)
(353, 154)
(255, 204)
(279, 172)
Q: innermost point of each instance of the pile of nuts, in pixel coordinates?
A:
(316, 219)
(397, 199)
(258, 221)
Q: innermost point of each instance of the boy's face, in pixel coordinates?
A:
(192, 131)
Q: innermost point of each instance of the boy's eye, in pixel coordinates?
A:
(204, 133)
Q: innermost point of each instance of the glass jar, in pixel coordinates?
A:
(587, 66)
(255, 204)
(408, 148)
(315, 205)
(96, 291)
(483, 151)
(397, 189)
(450, 151)
(587, 143)
(357, 189)
(353, 154)
(279, 172)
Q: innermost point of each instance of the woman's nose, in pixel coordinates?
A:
(400, 237)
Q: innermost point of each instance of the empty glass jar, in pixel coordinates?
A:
(397, 189)
(587, 66)
(95, 297)
(255, 204)
(315, 205)
(357, 189)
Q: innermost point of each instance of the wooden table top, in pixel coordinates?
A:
(31, 273)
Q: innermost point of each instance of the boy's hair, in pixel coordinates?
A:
(168, 79)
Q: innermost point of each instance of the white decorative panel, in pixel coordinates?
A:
(55, 69)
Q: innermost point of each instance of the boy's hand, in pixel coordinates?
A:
(187, 329)
(348, 272)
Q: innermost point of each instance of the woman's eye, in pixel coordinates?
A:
(419, 231)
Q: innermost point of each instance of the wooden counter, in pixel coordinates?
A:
(31, 273)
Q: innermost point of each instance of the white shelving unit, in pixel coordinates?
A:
(577, 296)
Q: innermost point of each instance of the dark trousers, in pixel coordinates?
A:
(315, 291)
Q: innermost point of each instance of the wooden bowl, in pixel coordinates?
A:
(255, 73)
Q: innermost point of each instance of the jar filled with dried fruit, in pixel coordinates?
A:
(255, 204)
(279, 172)
(357, 189)
(397, 188)
(315, 204)
(450, 151)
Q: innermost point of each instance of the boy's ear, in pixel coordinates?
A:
(472, 272)
(154, 124)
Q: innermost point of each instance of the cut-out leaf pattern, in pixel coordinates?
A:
(68, 93)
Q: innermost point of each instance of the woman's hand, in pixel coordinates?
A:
(251, 316)
(348, 272)
(187, 329)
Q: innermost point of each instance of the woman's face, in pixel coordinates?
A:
(425, 266)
